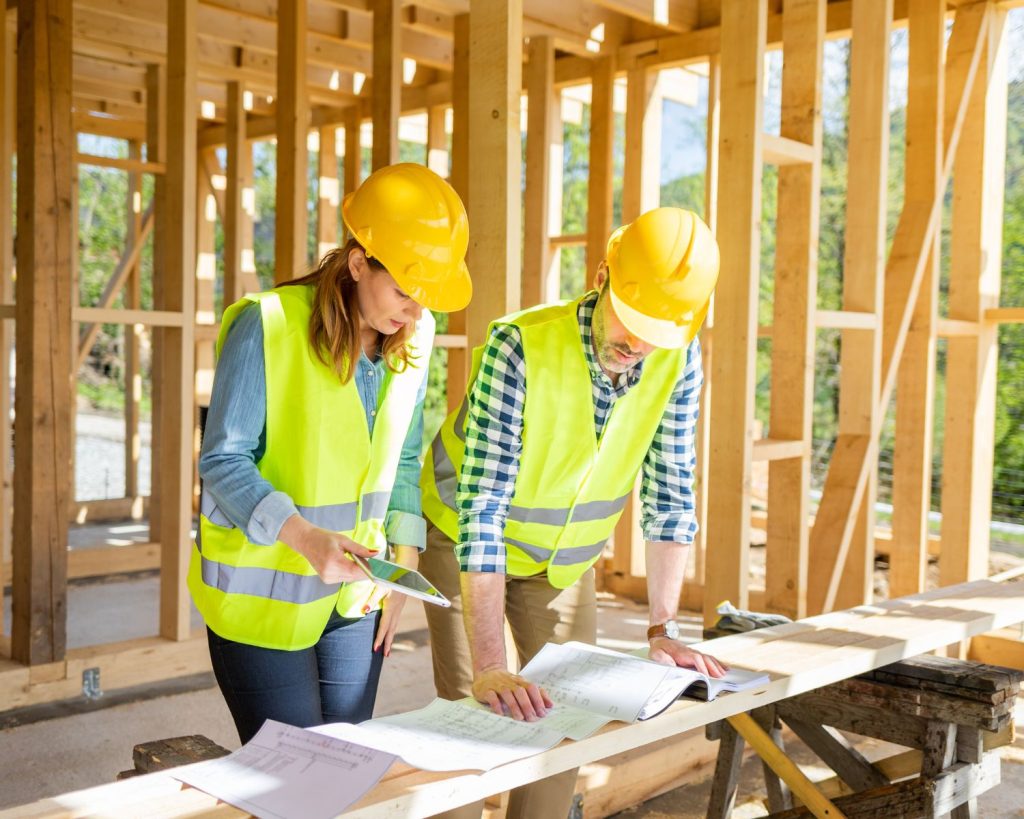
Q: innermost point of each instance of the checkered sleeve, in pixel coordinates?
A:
(493, 444)
(666, 491)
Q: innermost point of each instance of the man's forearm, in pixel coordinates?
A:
(666, 568)
(483, 612)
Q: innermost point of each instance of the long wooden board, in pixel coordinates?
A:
(799, 656)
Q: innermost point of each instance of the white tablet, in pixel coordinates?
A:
(400, 579)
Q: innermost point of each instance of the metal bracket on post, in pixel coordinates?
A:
(91, 688)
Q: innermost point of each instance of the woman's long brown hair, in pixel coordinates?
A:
(334, 323)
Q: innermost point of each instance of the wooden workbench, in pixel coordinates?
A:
(800, 656)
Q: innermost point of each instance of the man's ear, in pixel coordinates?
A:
(356, 263)
(601, 276)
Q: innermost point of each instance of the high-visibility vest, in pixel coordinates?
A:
(571, 486)
(318, 451)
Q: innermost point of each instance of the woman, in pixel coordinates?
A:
(311, 453)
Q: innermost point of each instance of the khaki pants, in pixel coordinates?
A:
(537, 614)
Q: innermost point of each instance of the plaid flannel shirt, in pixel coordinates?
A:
(494, 444)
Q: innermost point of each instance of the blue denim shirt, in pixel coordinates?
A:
(236, 434)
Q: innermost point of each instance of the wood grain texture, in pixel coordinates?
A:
(292, 119)
(387, 80)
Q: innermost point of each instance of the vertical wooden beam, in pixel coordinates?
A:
(387, 80)
(973, 287)
(8, 71)
(600, 182)
(543, 212)
(329, 192)
(860, 360)
(177, 347)
(495, 64)
(437, 141)
(205, 281)
(353, 150)
(794, 307)
(43, 332)
(641, 175)
(458, 359)
(156, 151)
(915, 388)
(132, 362)
(744, 24)
(292, 151)
(234, 213)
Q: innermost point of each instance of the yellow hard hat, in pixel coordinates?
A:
(662, 269)
(410, 220)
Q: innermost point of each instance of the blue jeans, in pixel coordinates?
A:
(332, 681)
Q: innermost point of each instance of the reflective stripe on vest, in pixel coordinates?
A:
(559, 524)
(319, 452)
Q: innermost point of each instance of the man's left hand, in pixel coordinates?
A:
(667, 651)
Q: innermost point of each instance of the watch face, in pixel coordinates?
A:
(672, 630)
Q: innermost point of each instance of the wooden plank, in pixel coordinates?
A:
(103, 561)
(353, 159)
(542, 212)
(119, 164)
(794, 307)
(437, 141)
(783, 151)
(641, 175)
(205, 279)
(727, 771)
(601, 170)
(1005, 315)
(974, 281)
(132, 346)
(328, 198)
(846, 320)
(234, 214)
(43, 297)
(8, 84)
(495, 64)
(177, 344)
(675, 15)
(918, 224)
(113, 315)
(733, 363)
(458, 360)
(292, 154)
(387, 80)
(779, 449)
(1004, 647)
(837, 752)
(957, 328)
(863, 278)
(912, 450)
(110, 509)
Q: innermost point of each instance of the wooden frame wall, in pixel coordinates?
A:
(486, 42)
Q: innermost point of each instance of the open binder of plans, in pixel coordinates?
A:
(623, 686)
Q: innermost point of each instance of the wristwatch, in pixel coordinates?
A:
(669, 629)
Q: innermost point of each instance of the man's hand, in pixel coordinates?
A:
(667, 651)
(327, 552)
(391, 604)
(511, 694)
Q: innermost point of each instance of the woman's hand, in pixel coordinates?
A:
(392, 604)
(327, 552)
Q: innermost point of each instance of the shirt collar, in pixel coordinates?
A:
(585, 314)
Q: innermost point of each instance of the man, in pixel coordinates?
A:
(523, 485)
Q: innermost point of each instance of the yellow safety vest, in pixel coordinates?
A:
(318, 451)
(571, 487)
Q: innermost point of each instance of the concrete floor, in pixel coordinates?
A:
(65, 753)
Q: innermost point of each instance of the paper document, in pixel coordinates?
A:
(285, 772)
(450, 736)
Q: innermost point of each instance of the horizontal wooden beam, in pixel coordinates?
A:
(1005, 315)
(102, 561)
(132, 165)
(147, 318)
(777, 150)
(569, 240)
(956, 328)
(451, 341)
(776, 449)
(845, 320)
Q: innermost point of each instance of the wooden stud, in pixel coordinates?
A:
(542, 214)
(387, 80)
(43, 297)
(8, 84)
(329, 198)
(967, 462)
(796, 287)
(437, 141)
(864, 264)
(132, 346)
(176, 344)
(353, 150)
(156, 149)
(495, 64)
(458, 360)
(600, 179)
(733, 363)
(234, 214)
(292, 153)
(641, 175)
(912, 451)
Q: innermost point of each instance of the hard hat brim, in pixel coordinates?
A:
(447, 297)
(659, 332)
